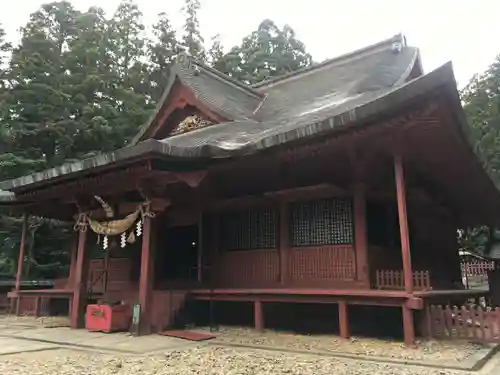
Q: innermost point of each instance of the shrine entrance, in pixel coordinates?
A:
(178, 254)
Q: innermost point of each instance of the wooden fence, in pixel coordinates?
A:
(471, 323)
(394, 280)
(477, 268)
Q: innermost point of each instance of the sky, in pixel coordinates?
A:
(463, 31)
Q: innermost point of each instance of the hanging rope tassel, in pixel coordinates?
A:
(123, 239)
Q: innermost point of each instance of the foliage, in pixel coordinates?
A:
(193, 42)
(161, 54)
(267, 52)
(80, 83)
(481, 99)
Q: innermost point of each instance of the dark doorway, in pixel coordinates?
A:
(178, 257)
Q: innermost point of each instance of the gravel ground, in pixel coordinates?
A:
(43, 321)
(433, 351)
(206, 360)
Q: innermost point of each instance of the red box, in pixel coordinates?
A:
(107, 319)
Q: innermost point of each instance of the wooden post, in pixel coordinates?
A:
(408, 326)
(258, 315)
(360, 235)
(146, 278)
(80, 283)
(72, 262)
(199, 257)
(37, 306)
(284, 229)
(403, 223)
(20, 261)
(343, 320)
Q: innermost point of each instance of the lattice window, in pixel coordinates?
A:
(249, 229)
(322, 222)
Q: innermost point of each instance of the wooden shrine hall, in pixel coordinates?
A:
(343, 183)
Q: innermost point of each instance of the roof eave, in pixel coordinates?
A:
(174, 74)
(70, 169)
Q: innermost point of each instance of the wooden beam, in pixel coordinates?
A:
(80, 283)
(321, 190)
(360, 234)
(343, 319)
(403, 223)
(20, 262)
(284, 239)
(109, 182)
(413, 117)
(199, 255)
(73, 256)
(146, 278)
(258, 315)
(408, 326)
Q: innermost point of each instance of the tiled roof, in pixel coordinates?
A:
(311, 102)
(6, 196)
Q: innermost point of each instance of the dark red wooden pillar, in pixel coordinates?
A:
(343, 320)
(408, 323)
(403, 223)
(80, 282)
(258, 315)
(72, 262)
(408, 326)
(20, 261)
(284, 243)
(199, 257)
(360, 235)
(146, 278)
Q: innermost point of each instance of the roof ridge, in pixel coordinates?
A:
(371, 48)
(226, 78)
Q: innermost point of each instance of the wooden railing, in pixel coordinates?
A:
(472, 323)
(394, 280)
(479, 268)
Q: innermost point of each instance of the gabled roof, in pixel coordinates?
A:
(310, 93)
(310, 103)
(339, 83)
(223, 95)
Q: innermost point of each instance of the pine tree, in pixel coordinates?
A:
(90, 64)
(192, 39)
(38, 99)
(37, 115)
(8, 230)
(161, 52)
(128, 84)
(267, 52)
(216, 55)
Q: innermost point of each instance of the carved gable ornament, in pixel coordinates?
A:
(191, 123)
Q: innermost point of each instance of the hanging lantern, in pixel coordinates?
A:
(123, 239)
(138, 229)
(105, 242)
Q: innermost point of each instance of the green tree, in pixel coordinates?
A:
(37, 125)
(128, 83)
(216, 55)
(38, 100)
(267, 52)
(481, 99)
(162, 50)
(192, 39)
